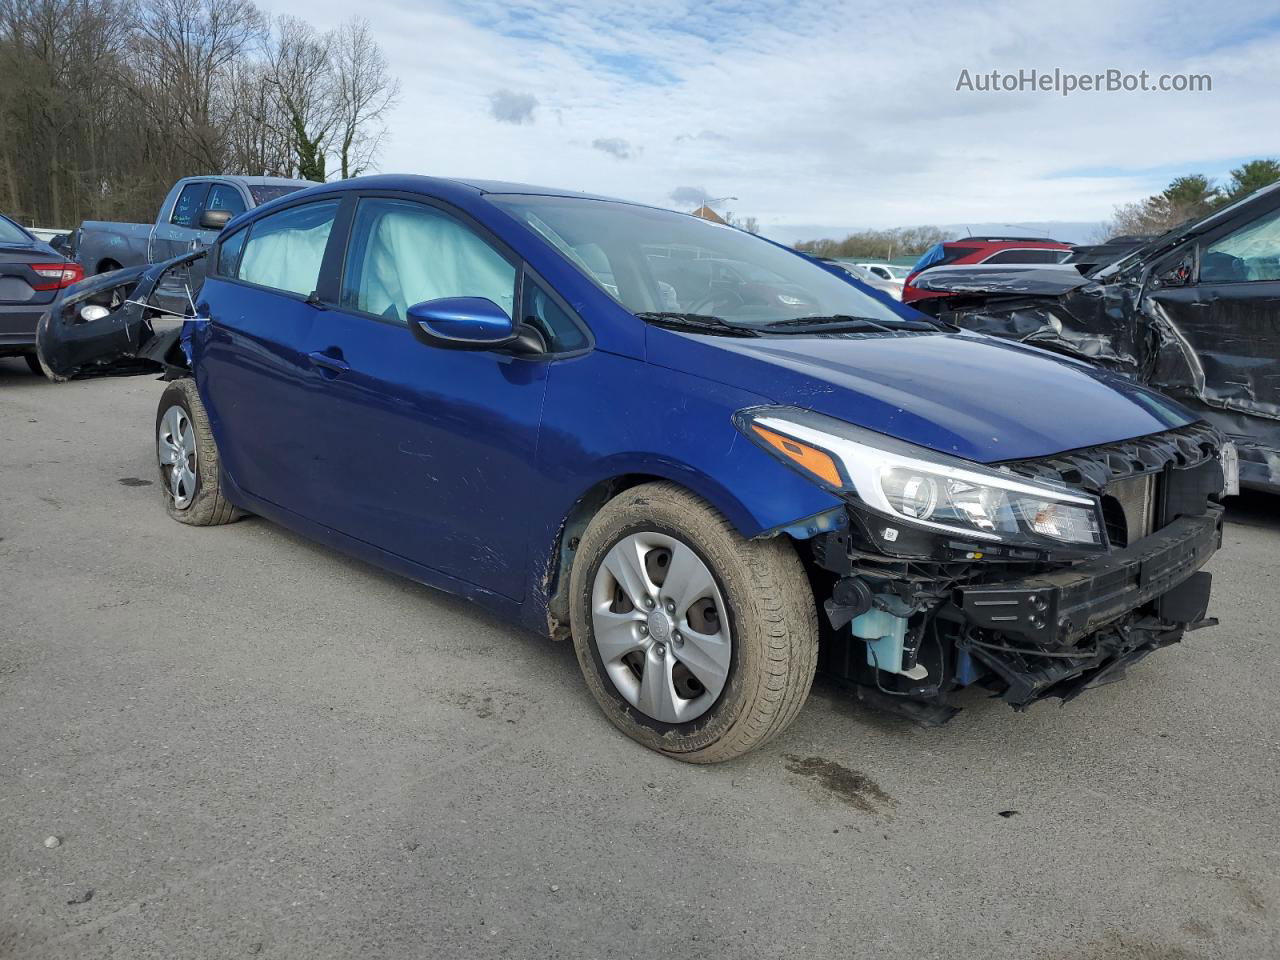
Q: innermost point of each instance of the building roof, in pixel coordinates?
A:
(706, 213)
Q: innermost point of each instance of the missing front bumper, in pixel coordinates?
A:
(1059, 608)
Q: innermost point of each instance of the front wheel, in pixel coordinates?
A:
(188, 459)
(695, 642)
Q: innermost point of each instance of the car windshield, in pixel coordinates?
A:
(897, 272)
(10, 233)
(664, 266)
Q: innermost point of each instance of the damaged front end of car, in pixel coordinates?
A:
(114, 323)
(1036, 578)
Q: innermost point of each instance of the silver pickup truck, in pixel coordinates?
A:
(195, 209)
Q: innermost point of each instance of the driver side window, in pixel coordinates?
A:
(403, 253)
(1250, 253)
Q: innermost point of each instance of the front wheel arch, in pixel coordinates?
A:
(556, 564)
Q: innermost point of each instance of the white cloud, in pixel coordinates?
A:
(825, 114)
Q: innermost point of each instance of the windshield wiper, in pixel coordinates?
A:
(698, 322)
(842, 322)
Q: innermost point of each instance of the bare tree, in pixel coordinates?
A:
(301, 79)
(364, 92)
(899, 241)
(104, 103)
(187, 49)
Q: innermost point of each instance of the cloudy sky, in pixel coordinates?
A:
(823, 115)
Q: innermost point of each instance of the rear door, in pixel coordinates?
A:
(251, 360)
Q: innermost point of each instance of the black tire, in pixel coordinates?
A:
(771, 614)
(33, 364)
(206, 507)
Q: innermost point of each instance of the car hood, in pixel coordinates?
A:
(958, 393)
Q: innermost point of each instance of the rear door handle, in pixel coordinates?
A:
(333, 366)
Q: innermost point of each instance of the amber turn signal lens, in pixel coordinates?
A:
(818, 462)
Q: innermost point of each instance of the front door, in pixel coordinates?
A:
(1229, 317)
(427, 453)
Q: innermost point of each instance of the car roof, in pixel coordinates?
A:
(1005, 240)
(444, 186)
(253, 181)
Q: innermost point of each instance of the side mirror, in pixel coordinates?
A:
(461, 323)
(214, 219)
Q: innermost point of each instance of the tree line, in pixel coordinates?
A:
(880, 244)
(105, 103)
(1189, 198)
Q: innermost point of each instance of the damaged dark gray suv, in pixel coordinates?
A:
(712, 462)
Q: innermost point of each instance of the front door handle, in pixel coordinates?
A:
(331, 366)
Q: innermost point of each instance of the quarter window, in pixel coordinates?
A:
(403, 253)
(229, 251)
(188, 205)
(1251, 253)
(539, 310)
(284, 250)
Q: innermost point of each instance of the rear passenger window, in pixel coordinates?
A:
(188, 204)
(403, 253)
(284, 250)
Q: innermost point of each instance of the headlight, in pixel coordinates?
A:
(926, 489)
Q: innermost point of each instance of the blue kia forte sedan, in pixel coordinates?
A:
(716, 464)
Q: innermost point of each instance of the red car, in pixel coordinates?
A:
(992, 250)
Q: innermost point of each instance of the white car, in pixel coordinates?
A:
(889, 272)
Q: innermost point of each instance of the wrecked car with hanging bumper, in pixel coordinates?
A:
(712, 464)
(1194, 314)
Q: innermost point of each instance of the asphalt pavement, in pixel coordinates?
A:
(247, 745)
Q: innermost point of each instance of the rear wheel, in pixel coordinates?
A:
(695, 641)
(188, 459)
(33, 364)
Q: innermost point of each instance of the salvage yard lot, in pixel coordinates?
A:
(250, 745)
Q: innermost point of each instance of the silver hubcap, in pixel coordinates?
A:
(176, 445)
(660, 627)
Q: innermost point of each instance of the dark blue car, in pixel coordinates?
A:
(713, 462)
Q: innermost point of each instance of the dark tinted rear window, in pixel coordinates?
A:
(264, 192)
(1028, 256)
